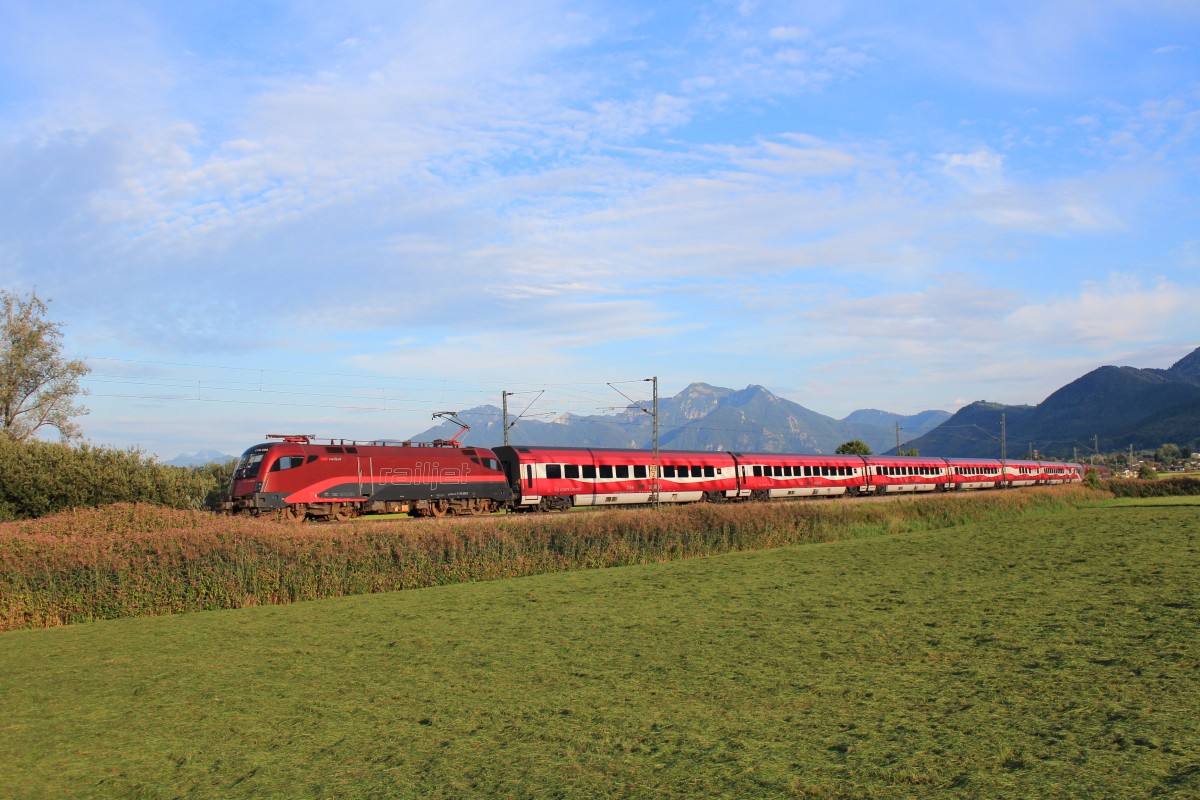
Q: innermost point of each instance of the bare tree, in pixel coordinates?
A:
(38, 386)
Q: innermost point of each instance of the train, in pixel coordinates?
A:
(298, 477)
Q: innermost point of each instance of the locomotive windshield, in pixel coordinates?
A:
(248, 464)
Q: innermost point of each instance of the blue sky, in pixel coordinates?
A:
(338, 218)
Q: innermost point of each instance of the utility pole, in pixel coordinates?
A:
(1095, 447)
(504, 409)
(1003, 441)
(1076, 458)
(655, 485)
(1003, 454)
(897, 437)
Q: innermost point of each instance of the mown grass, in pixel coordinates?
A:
(1056, 655)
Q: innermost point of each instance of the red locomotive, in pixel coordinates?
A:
(299, 477)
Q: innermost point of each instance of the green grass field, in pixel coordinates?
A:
(1052, 656)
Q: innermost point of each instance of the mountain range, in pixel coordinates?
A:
(701, 417)
(1115, 407)
(199, 459)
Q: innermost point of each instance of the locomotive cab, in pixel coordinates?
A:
(248, 489)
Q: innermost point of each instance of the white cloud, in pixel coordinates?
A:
(789, 34)
(1118, 313)
(979, 171)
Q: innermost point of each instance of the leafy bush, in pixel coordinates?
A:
(1170, 487)
(43, 478)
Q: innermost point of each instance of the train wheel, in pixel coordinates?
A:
(340, 514)
(437, 508)
(292, 514)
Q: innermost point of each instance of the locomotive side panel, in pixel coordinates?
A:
(335, 480)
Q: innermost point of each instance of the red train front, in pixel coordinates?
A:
(335, 479)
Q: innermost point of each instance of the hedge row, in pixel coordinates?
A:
(1168, 487)
(130, 560)
(40, 478)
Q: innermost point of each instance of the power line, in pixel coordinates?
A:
(332, 374)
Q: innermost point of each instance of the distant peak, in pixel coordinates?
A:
(1188, 367)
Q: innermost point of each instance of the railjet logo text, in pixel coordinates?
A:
(425, 473)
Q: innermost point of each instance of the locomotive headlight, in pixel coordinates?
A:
(258, 486)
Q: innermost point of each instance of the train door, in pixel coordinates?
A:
(529, 493)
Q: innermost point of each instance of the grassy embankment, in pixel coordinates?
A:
(135, 560)
(1054, 655)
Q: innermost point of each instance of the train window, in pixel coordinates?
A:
(710, 472)
(589, 472)
(571, 471)
(287, 462)
(492, 464)
(606, 472)
(668, 470)
(757, 471)
(248, 466)
(554, 471)
(778, 470)
(639, 471)
(622, 471)
(807, 471)
(697, 471)
(311, 459)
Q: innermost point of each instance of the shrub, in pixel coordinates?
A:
(43, 478)
(1170, 487)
